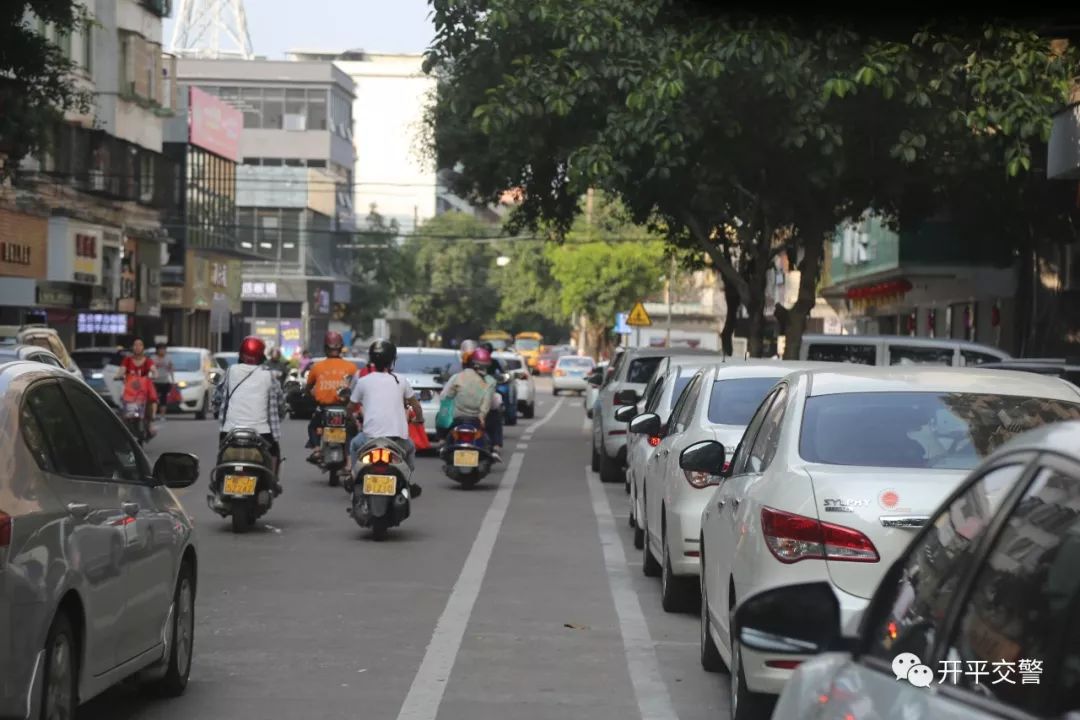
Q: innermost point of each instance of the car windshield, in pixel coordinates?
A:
(734, 400)
(185, 361)
(641, 370)
(426, 363)
(227, 361)
(575, 362)
(526, 344)
(919, 429)
(95, 359)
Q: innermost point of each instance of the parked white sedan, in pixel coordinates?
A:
(526, 387)
(716, 405)
(837, 472)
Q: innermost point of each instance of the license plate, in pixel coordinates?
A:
(334, 435)
(380, 484)
(240, 484)
(466, 458)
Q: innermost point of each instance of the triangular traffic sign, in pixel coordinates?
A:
(638, 316)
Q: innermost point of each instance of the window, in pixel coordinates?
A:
(34, 438)
(683, 413)
(184, 361)
(858, 353)
(641, 370)
(46, 359)
(972, 357)
(915, 600)
(88, 48)
(117, 458)
(738, 459)
(290, 236)
(912, 355)
(768, 438)
(273, 108)
(653, 395)
(1022, 604)
(63, 41)
(59, 427)
(316, 109)
(316, 163)
(919, 429)
(251, 104)
(734, 401)
(680, 382)
(295, 109)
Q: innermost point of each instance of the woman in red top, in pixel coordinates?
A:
(140, 364)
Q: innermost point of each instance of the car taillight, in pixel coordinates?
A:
(5, 529)
(700, 480)
(792, 538)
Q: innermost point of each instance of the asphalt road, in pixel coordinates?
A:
(521, 598)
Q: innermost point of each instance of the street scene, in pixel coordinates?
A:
(437, 360)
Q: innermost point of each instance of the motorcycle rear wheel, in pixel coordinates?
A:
(242, 519)
(379, 527)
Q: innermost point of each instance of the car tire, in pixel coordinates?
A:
(710, 655)
(60, 681)
(554, 392)
(181, 650)
(745, 703)
(200, 414)
(610, 471)
(649, 566)
(639, 538)
(675, 595)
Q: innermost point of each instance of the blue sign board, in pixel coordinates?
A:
(621, 328)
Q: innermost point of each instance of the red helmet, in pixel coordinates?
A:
(481, 357)
(333, 340)
(252, 350)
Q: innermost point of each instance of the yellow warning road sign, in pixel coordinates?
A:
(638, 316)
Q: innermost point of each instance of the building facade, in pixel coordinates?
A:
(294, 190)
(81, 234)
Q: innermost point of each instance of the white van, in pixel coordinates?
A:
(897, 350)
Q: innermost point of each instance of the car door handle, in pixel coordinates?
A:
(735, 504)
(130, 508)
(720, 504)
(79, 510)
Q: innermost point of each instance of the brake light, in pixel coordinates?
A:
(335, 420)
(379, 455)
(700, 480)
(559, 372)
(465, 434)
(5, 529)
(654, 440)
(783, 664)
(792, 538)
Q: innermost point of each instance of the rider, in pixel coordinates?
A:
(473, 390)
(324, 380)
(278, 365)
(163, 374)
(250, 397)
(383, 398)
(138, 364)
(495, 416)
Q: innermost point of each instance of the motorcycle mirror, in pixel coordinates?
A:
(216, 376)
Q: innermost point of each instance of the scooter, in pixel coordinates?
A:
(244, 482)
(333, 445)
(381, 487)
(507, 388)
(134, 415)
(466, 454)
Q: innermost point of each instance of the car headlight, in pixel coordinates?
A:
(182, 384)
(97, 376)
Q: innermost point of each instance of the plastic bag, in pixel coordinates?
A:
(174, 397)
(419, 437)
(445, 417)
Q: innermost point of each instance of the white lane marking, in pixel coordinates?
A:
(522, 446)
(429, 685)
(653, 700)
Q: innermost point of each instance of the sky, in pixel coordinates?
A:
(276, 26)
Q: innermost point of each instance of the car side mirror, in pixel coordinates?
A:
(706, 456)
(176, 469)
(216, 376)
(626, 413)
(647, 424)
(627, 397)
(595, 379)
(801, 619)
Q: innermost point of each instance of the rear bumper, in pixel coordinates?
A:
(569, 383)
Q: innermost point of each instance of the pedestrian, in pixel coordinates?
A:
(163, 375)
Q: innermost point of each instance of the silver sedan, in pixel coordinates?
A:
(97, 556)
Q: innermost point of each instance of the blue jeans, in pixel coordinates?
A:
(361, 439)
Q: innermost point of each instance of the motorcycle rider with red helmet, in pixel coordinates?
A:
(250, 396)
(324, 381)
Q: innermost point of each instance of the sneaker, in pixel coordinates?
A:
(495, 454)
(314, 458)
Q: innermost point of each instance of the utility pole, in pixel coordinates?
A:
(671, 277)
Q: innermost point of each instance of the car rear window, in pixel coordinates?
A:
(735, 400)
(919, 429)
(184, 361)
(858, 353)
(96, 359)
(575, 362)
(640, 371)
(414, 363)
(511, 363)
(915, 355)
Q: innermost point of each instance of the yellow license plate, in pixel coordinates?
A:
(466, 458)
(380, 484)
(240, 484)
(334, 435)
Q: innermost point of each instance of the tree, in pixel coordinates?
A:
(451, 280)
(37, 80)
(379, 275)
(528, 293)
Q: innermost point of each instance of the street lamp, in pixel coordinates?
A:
(502, 261)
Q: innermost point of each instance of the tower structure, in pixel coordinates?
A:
(211, 29)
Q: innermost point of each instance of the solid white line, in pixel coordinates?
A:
(426, 692)
(653, 700)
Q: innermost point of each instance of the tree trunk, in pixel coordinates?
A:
(731, 298)
(809, 272)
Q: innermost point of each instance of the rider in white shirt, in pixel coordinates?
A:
(383, 398)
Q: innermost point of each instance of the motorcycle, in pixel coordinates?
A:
(381, 487)
(243, 483)
(134, 416)
(506, 387)
(334, 441)
(466, 454)
(133, 407)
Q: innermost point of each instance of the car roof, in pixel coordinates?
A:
(1030, 364)
(635, 353)
(14, 370)
(224, 353)
(906, 340)
(913, 378)
(766, 368)
(427, 351)
(184, 348)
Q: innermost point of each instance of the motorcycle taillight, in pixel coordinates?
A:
(465, 434)
(335, 419)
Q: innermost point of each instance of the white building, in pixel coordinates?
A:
(392, 171)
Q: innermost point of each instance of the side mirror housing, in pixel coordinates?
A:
(626, 413)
(706, 456)
(627, 397)
(799, 619)
(216, 375)
(176, 469)
(647, 424)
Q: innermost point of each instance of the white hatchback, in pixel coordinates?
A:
(716, 405)
(837, 471)
(518, 369)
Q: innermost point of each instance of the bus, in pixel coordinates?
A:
(528, 345)
(499, 339)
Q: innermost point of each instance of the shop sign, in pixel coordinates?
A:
(172, 296)
(214, 125)
(22, 245)
(48, 296)
(320, 300)
(75, 251)
(258, 290)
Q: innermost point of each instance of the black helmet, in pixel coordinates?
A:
(382, 354)
(488, 346)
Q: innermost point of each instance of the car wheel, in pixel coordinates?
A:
(639, 538)
(554, 391)
(710, 655)
(649, 566)
(175, 680)
(200, 414)
(675, 596)
(61, 679)
(610, 471)
(745, 703)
